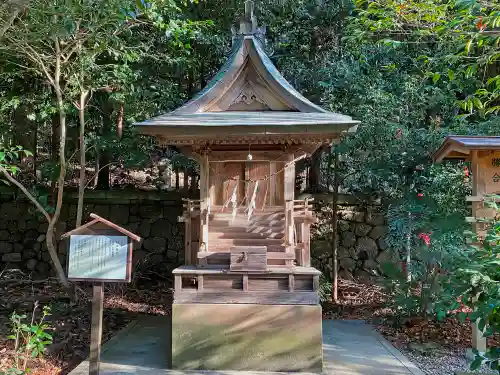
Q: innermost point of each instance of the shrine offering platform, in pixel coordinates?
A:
(244, 320)
(247, 337)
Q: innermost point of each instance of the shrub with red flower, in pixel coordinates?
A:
(480, 24)
(426, 237)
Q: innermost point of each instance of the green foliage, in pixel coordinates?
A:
(475, 280)
(8, 157)
(325, 288)
(465, 33)
(30, 338)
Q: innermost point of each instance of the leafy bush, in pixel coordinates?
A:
(30, 339)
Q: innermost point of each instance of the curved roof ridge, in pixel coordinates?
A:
(247, 50)
(276, 74)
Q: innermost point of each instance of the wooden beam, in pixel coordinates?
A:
(241, 297)
(316, 283)
(291, 283)
(178, 283)
(96, 329)
(245, 283)
(200, 283)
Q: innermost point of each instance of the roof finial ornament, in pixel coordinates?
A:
(248, 25)
(249, 7)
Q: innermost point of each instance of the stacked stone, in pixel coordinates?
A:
(22, 239)
(23, 233)
(362, 247)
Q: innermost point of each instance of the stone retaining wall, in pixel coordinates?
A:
(362, 247)
(152, 216)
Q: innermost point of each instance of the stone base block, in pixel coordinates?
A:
(247, 337)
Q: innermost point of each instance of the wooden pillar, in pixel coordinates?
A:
(212, 182)
(272, 183)
(305, 260)
(289, 195)
(289, 178)
(204, 205)
(478, 190)
(187, 234)
(178, 283)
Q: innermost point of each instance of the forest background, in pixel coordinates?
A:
(75, 76)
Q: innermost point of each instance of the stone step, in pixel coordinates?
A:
(226, 255)
(223, 234)
(254, 217)
(249, 241)
(216, 246)
(240, 222)
(247, 228)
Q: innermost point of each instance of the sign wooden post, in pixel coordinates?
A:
(96, 329)
(99, 251)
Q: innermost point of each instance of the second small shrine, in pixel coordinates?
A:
(247, 297)
(483, 153)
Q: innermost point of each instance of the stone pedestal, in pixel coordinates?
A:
(247, 337)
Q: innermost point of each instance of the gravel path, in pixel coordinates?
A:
(444, 362)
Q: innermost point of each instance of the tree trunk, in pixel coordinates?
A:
(335, 240)
(408, 249)
(119, 123)
(51, 230)
(82, 180)
(186, 179)
(315, 171)
(54, 150)
(103, 177)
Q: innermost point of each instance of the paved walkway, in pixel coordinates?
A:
(349, 347)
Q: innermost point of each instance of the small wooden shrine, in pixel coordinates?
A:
(247, 297)
(484, 155)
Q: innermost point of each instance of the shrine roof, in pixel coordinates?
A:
(248, 54)
(250, 93)
(459, 147)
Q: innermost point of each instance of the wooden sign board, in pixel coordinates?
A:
(100, 257)
(490, 169)
(99, 251)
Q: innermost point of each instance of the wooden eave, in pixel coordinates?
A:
(262, 127)
(461, 147)
(98, 219)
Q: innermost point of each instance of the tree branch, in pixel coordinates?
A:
(25, 192)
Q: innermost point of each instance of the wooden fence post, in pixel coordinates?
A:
(96, 329)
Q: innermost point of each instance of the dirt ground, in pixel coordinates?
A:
(70, 319)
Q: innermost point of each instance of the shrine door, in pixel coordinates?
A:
(259, 182)
(225, 177)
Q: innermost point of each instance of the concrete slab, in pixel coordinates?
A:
(349, 348)
(246, 337)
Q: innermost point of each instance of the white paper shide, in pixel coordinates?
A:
(98, 257)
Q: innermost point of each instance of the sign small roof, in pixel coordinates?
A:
(98, 219)
(459, 146)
